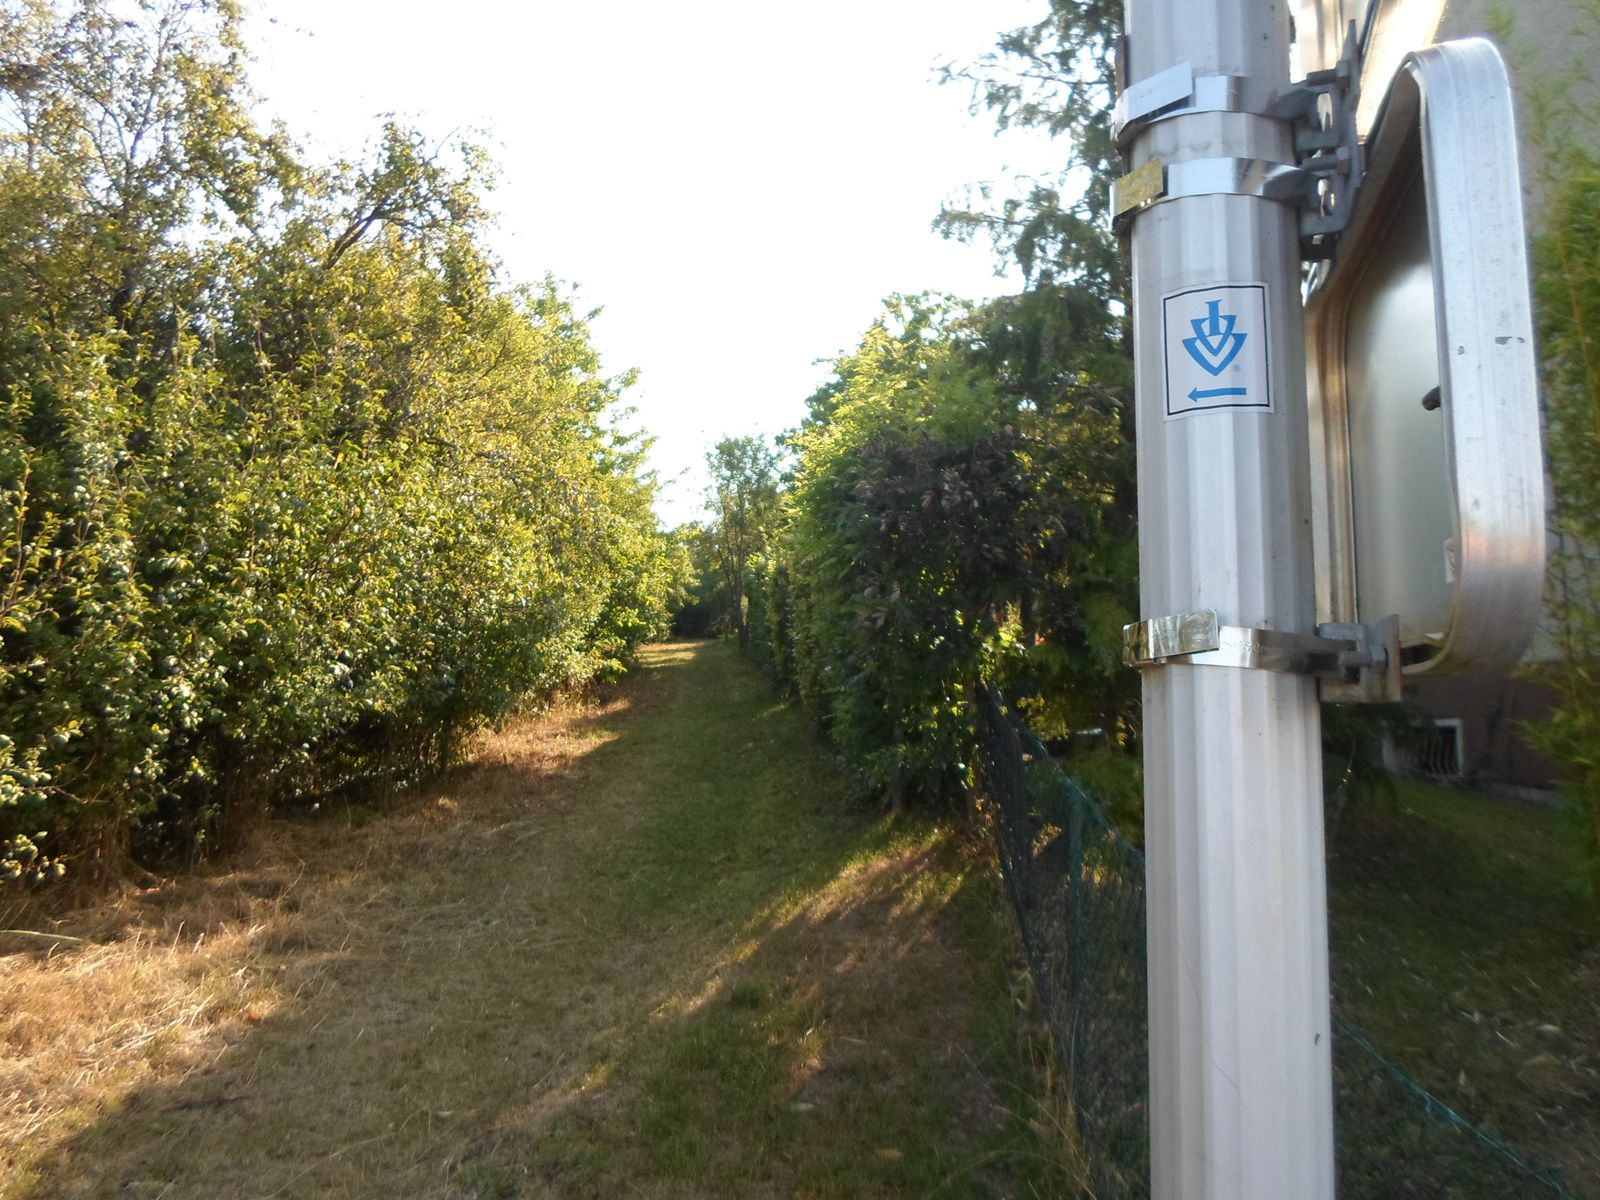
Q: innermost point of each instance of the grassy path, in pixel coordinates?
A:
(642, 948)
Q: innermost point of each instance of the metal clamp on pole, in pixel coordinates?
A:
(1323, 180)
(1157, 181)
(1356, 664)
(1177, 92)
(1240, 177)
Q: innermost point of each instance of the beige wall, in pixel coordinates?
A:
(1550, 47)
(1399, 27)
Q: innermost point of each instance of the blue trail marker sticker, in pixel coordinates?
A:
(1215, 349)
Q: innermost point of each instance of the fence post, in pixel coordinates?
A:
(1240, 1068)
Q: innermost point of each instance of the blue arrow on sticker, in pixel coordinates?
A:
(1214, 344)
(1199, 394)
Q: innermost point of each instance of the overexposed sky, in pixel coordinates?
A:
(736, 185)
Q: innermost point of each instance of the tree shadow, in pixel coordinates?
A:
(649, 951)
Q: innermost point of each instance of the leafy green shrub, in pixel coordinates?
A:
(1567, 287)
(292, 491)
(942, 529)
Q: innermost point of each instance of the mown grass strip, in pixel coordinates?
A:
(639, 948)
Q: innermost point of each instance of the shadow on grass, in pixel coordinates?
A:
(1461, 947)
(646, 950)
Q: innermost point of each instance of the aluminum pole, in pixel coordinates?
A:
(1240, 1068)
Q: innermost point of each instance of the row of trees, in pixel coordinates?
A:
(293, 491)
(958, 505)
(725, 550)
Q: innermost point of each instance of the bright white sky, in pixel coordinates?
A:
(738, 185)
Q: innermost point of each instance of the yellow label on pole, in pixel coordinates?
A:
(1139, 187)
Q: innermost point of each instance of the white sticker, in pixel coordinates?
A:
(1215, 347)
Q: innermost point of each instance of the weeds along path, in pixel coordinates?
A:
(638, 948)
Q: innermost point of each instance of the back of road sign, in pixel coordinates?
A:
(1428, 477)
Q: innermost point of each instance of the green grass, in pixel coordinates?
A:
(645, 948)
(1463, 946)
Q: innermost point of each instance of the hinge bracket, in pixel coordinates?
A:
(1327, 145)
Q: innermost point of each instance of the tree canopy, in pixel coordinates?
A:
(962, 507)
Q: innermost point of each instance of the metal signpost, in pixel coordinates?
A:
(1424, 380)
(1241, 1074)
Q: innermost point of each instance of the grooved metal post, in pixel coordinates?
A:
(1241, 1079)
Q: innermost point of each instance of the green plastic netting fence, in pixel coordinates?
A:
(1077, 886)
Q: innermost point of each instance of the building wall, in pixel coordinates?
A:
(1549, 48)
(1493, 712)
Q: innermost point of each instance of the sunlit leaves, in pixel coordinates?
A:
(294, 492)
(743, 502)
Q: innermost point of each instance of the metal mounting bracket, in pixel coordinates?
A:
(1323, 179)
(1356, 664)
(1327, 143)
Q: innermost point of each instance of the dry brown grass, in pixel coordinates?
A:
(150, 989)
(635, 947)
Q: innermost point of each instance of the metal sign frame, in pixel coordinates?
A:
(1448, 119)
